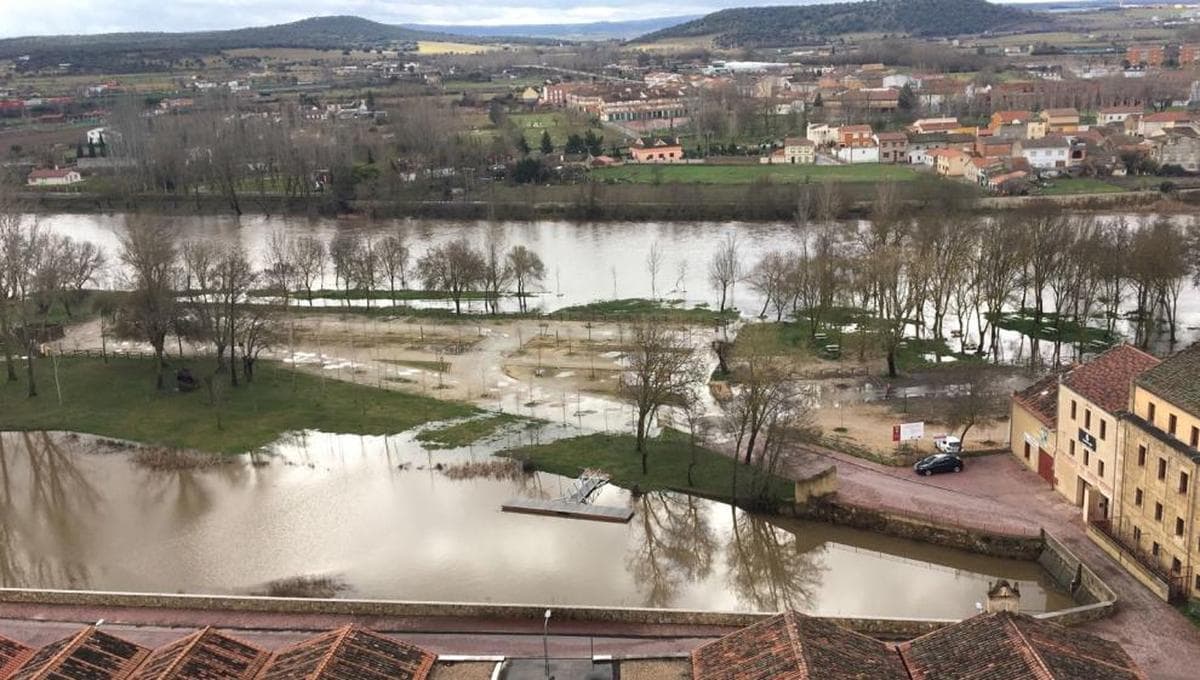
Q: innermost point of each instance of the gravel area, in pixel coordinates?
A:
(675, 669)
(462, 671)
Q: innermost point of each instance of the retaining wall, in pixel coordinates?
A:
(1129, 563)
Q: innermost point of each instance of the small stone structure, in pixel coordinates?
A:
(1003, 597)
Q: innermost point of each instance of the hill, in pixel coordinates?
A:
(599, 30)
(791, 25)
(114, 52)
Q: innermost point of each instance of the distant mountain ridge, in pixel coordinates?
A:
(598, 30)
(331, 32)
(789, 25)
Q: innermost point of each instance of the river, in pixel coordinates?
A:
(372, 514)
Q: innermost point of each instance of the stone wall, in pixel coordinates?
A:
(1097, 598)
(817, 486)
(1146, 577)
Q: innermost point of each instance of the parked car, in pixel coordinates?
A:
(938, 462)
(947, 443)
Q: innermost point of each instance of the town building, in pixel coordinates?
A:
(1146, 55)
(799, 151)
(854, 135)
(1091, 396)
(1152, 124)
(656, 150)
(1033, 427)
(1045, 153)
(54, 177)
(858, 152)
(1060, 121)
(928, 125)
(920, 145)
(1002, 119)
(1189, 53)
(821, 134)
(893, 147)
(1116, 114)
(1178, 147)
(949, 162)
(1159, 521)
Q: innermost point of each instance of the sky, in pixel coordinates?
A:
(55, 17)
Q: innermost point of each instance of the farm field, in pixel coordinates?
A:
(746, 174)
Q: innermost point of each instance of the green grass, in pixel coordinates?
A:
(1055, 329)
(118, 399)
(632, 308)
(557, 123)
(745, 174)
(466, 432)
(669, 456)
(1190, 610)
(1080, 185)
(332, 294)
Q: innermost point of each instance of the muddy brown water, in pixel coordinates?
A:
(372, 514)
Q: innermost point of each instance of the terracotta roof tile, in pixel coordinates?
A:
(1004, 646)
(1041, 399)
(349, 653)
(1177, 379)
(205, 654)
(12, 655)
(87, 655)
(792, 646)
(1106, 380)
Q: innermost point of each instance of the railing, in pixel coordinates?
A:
(1118, 530)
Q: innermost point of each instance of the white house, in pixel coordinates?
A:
(795, 151)
(54, 177)
(1045, 153)
(821, 134)
(1117, 114)
(866, 153)
(97, 136)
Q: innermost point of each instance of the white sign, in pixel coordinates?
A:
(912, 431)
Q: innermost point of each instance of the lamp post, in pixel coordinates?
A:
(546, 642)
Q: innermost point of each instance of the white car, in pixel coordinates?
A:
(947, 443)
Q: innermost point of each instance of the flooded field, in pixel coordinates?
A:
(374, 517)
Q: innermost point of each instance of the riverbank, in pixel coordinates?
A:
(118, 399)
(601, 202)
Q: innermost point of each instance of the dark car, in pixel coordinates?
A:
(938, 462)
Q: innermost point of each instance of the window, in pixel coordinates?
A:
(1086, 457)
(1100, 468)
(1162, 468)
(1073, 409)
(1154, 548)
(1178, 526)
(1150, 412)
(1176, 565)
(1158, 512)
(1026, 450)
(1142, 456)
(1195, 437)
(1183, 482)
(1072, 448)
(1103, 428)
(1198, 582)
(1087, 418)
(1137, 497)
(1172, 422)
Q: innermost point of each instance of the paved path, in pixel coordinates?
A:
(997, 493)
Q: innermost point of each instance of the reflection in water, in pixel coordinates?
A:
(375, 513)
(768, 568)
(673, 544)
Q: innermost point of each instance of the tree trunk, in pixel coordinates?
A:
(891, 362)
(29, 352)
(158, 354)
(641, 439)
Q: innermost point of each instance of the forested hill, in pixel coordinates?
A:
(790, 25)
(333, 32)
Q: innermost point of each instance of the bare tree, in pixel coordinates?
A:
(654, 262)
(724, 269)
(364, 266)
(343, 250)
(773, 277)
(979, 404)
(394, 257)
(661, 367)
(527, 268)
(308, 256)
(149, 253)
(280, 272)
(497, 273)
(454, 268)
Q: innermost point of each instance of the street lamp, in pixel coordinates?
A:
(546, 642)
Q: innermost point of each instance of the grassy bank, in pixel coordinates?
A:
(632, 308)
(745, 174)
(118, 399)
(669, 456)
(467, 432)
(1054, 328)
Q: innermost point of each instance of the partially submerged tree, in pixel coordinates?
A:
(527, 269)
(724, 269)
(148, 251)
(661, 368)
(454, 268)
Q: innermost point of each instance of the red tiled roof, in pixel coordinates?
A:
(1012, 116)
(1041, 399)
(1004, 646)
(87, 655)
(854, 129)
(1061, 113)
(203, 654)
(791, 646)
(349, 653)
(12, 655)
(51, 173)
(1167, 117)
(1105, 381)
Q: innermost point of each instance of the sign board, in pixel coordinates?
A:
(905, 432)
(1087, 439)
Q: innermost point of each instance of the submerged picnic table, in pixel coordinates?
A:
(577, 503)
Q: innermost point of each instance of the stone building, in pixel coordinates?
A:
(1033, 427)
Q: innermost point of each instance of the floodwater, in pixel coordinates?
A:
(372, 514)
(585, 262)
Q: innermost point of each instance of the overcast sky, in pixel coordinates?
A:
(52, 17)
